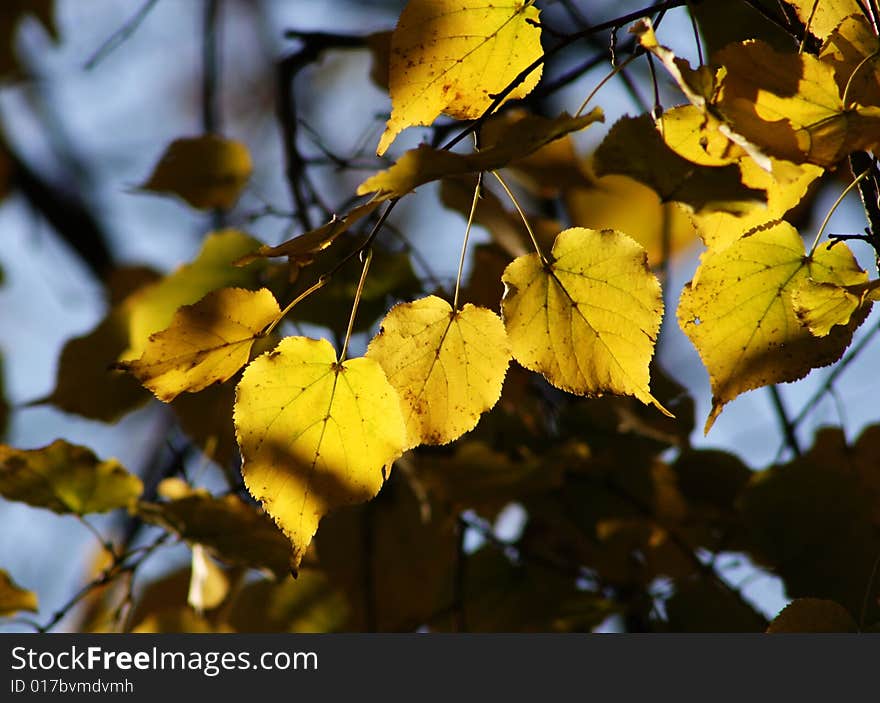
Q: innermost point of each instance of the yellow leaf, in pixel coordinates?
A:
(633, 147)
(587, 320)
(790, 105)
(624, 204)
(234, 531)
(207, 172)
(693, 135)
(152, 308)
(13, 598)
(719, 229)
(785, 183)
(206, 343)
(738, 312)
(454, 56)
(447, 366)
(821, 17)
(822, 305)
(302, 248)
(515, 141)
(853, 50)
(314, 433)
(66, 478)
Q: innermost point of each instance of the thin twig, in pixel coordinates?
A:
(785, 424)
(120, 35)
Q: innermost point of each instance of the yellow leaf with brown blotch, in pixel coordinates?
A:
(206, 343)
(588, 319)
(738, 312)
(446, 365)
(315, 433)
(453, 56)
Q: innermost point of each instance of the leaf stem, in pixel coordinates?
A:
(367, 257)
(834, 207)
(852, 75)
(464, 243)
(523, 216)
(320, 283)
(617, 69)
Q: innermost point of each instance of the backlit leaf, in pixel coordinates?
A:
(152, 308)
(314, 433)
(624, 204)
(587, 320)
(785, 183)
(515, 141)
(231, 529)
(206, 343)
(14, 598)
(791, 106)
(852, 50)
(66, 478)
(447, 366)
(207, 172)
(821, 17)
(822, 305)
(453, 56)
(635, 148)
(813, 615)
(739, 314)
